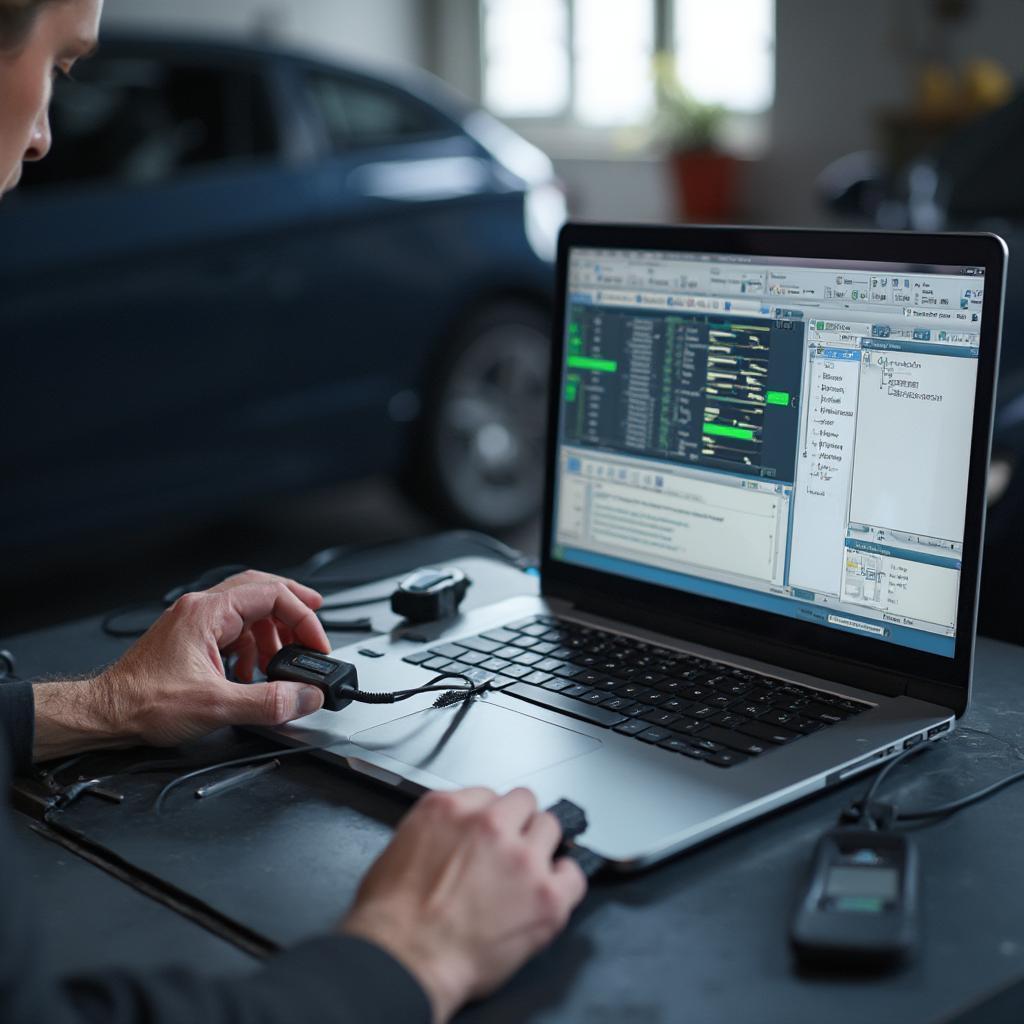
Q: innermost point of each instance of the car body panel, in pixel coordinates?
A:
(243, 327)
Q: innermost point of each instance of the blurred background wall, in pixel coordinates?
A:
(838, 70)
(314, 292)
(384, 32)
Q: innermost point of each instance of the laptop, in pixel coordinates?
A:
(765, 499)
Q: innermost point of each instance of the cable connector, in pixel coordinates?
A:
(573, 820)
(70, 793)
(873, 814)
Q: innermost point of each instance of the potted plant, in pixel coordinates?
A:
(704, 175)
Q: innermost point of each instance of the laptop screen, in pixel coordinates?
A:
(791, 435)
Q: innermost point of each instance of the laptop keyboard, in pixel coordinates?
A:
(681, 703)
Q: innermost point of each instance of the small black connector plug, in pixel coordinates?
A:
(336, 680)
(573, 819)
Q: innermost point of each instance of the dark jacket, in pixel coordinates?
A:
(334, 978)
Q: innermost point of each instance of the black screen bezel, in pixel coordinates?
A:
(875, 665)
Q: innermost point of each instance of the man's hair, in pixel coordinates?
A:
(16, 20)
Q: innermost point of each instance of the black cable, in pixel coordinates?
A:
(323, 557)
(330, 606)
(363, 696)
(109, 623)
(394, 696)
(867, 807)
(64, 765)
(330, 582)
(944, 810)
(251, 759)
(166, 765)
(305, 573)
(886, 769)
(320, 559)
(504, 551)
(362, 625)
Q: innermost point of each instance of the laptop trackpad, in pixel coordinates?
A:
(476, 744)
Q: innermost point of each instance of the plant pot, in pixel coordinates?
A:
(705, 183)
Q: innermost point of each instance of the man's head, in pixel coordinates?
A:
(39, 39)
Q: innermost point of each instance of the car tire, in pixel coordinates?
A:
(478, 455)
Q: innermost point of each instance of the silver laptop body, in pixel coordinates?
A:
(740, 427)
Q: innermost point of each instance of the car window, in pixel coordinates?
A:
(140, 121)
(357, 113)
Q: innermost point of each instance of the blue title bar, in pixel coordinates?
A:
(849, 354)
(911, 556)
(898, 345)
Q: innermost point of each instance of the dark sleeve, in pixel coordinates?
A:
(334, 979)
(330, 980)
(17, 724)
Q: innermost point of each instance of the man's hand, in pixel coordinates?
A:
(170, 686)
(467, 892)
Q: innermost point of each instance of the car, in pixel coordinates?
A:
(243, 271)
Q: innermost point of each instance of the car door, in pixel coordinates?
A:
(139, 278)
(393, 186)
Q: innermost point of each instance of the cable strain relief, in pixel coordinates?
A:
(881, 815)
(853, 814)
(454, 696)
(363, 697)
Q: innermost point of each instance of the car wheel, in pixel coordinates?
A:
(479, 458)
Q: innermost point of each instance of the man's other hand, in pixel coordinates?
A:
(467, 892)
(170, 687)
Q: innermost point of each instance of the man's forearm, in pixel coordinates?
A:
(75, 715)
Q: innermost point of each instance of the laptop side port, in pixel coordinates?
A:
(937, 730)
(912, 742)
(856, 768)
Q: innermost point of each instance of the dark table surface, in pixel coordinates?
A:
(213, 884)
